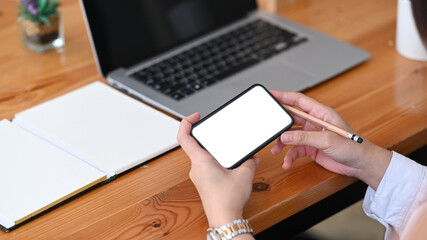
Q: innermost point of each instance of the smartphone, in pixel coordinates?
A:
(237, 130)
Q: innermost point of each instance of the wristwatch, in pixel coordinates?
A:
(229, 230)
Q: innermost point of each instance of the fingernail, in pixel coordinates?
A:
(286, 138)
(284, 166)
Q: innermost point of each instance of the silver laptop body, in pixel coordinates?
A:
(317, 59)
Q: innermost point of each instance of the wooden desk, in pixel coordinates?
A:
(384, 99)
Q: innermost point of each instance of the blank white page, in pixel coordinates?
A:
(103, 126)
(34, 175)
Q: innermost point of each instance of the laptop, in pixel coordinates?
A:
(186, 56)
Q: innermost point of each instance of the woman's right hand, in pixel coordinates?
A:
(365, 161)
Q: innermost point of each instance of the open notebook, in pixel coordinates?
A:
(60, 148)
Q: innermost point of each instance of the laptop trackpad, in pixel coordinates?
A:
(278, 76)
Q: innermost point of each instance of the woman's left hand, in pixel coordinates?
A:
(223, 192)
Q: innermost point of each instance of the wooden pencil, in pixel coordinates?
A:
(324, 124)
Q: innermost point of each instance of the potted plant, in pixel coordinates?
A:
(40, 24)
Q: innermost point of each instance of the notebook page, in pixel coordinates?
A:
(34, 175)
(103, 126)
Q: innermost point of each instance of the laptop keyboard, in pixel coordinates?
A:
(208, 63)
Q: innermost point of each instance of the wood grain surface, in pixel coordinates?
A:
(384, 99)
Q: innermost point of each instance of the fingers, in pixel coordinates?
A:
(193, 118)
(187, 142)
(308, 144)
(308, 105)
(318, 139)
(250, 164)
(292, 155)
(321, 140)
(184, 136)
(277, 147)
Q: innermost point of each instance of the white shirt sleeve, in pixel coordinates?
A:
(397, 195)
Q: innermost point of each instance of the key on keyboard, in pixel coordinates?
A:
(210, 62)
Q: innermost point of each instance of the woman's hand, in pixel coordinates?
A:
(365, 161)
(223, 192)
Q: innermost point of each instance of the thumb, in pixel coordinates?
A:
(250, 164)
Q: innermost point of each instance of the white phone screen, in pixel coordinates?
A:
(240, 128)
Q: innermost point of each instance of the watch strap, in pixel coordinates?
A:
(232, 229)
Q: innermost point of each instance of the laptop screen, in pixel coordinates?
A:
(125, 33)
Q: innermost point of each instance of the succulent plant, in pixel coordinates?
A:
(38, 11)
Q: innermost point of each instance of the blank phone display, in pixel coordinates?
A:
(242, 127)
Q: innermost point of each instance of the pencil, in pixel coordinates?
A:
(324, 124)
